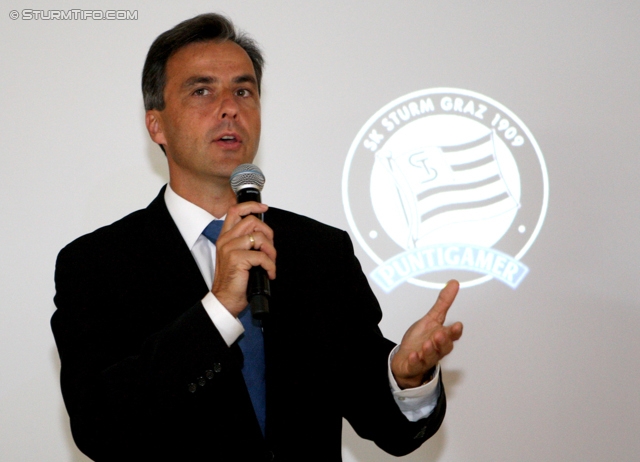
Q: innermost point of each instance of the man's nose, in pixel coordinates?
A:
(228, 107)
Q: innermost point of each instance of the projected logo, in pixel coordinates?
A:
(445, 183)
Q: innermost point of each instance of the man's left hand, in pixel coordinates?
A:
(427, 341)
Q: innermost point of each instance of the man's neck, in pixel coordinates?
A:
(215, 199)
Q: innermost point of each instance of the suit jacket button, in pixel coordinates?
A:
(217, 367)
(192, 387)
(208, 374)
(201, 381)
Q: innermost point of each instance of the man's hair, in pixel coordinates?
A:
(202, 28)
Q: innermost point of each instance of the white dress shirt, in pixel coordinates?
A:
(191, 220)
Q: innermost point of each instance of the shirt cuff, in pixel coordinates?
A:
(229, 326)
(415, 403)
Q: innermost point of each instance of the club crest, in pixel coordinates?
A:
(445, 183)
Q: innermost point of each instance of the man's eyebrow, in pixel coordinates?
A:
(246, 78)
(199, 80)
(207, 80)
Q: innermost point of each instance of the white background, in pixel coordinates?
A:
(547, 372)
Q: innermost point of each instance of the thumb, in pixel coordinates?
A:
(445, 299)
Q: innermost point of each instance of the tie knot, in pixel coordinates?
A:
(212, 231)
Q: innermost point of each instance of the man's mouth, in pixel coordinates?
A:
(228, 138)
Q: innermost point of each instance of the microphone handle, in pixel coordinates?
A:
(258, 287)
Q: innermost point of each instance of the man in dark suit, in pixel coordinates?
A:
(147, 308)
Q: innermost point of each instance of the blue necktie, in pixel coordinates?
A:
(251, 343)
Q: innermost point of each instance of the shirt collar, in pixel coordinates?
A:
(190, 219)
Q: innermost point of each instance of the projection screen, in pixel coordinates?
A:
(493, 142)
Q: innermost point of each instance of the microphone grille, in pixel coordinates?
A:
(246, 176)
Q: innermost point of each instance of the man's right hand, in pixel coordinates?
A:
(241, 235)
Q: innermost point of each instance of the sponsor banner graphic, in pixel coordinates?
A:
(416, 262)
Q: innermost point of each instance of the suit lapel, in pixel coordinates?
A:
(170, 259)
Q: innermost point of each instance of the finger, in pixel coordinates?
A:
(442, 344)
(252, 241)
(409, 369)
(238, 211)
(262, 244)
(429, 349)
(445, 299)
(261, 259)
(455, 331)
(425, 359)
(243, 259)
(244, 227)
(237, 246)
(445, 335)
(442, 341)
(415, 364)
(256, 240)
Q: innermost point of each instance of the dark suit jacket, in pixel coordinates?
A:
(146, 375)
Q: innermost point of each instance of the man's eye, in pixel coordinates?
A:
(243, 92)
(201, 92)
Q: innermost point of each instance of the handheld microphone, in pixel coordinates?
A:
(247, 181)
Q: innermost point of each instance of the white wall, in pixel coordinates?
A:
(549, 371)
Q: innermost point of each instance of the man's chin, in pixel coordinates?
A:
(230, 164)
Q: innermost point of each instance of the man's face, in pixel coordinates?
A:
(211, 120)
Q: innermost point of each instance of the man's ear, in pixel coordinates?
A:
(153, 121)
